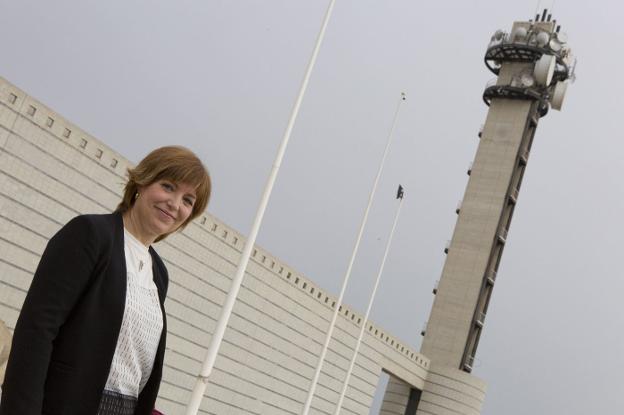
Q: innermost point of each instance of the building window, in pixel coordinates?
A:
(297, 280)
(413, 401)
(98, 153)
(12, 98)
(113, 163)
(83, 143)
(288, 275)
(225, 234)
(214, 227)
(31, 110)
(305, 285)
(66, 133)
(50, 122)
(203, 221)
(235, 241)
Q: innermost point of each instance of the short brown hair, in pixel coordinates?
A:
(175, 163)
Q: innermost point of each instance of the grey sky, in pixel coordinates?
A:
(221, 76)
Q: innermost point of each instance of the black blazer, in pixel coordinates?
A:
(66, 334)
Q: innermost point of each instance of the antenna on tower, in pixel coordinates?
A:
(536, 9)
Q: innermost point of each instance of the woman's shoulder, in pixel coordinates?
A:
(96, 228)
(99, 219)
(107, 222)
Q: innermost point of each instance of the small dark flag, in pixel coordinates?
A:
(400, 192)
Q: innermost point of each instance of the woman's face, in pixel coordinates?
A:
(163, 206)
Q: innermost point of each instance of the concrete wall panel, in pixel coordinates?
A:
(51, 171)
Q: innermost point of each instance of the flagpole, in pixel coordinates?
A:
(226, 311)
(345, 385)
(330, 330)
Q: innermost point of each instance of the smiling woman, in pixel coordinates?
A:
(159, 209)
(90, 339)
(166, 175)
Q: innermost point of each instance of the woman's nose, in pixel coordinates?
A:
(174, 202)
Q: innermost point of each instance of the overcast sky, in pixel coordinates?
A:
(221, 76)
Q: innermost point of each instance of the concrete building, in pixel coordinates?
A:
(51, 170)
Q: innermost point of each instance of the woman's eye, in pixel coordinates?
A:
(167, 186)
(188, 202)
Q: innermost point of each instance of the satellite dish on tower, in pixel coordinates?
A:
(542, 39)
(559, 95)
(545, 69)
(497, 38)
(561, 37)
(520, 34)
(554, 45)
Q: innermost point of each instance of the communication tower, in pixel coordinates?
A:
(534, 66)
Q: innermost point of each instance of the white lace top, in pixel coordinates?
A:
(141, 326)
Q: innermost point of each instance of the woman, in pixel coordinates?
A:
(90, 338)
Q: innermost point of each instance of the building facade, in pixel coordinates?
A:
(51, 170)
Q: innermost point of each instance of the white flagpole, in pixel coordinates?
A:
(345, 385)
(226, 310)
(330, 330)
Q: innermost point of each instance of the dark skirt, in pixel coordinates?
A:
(114, 403)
